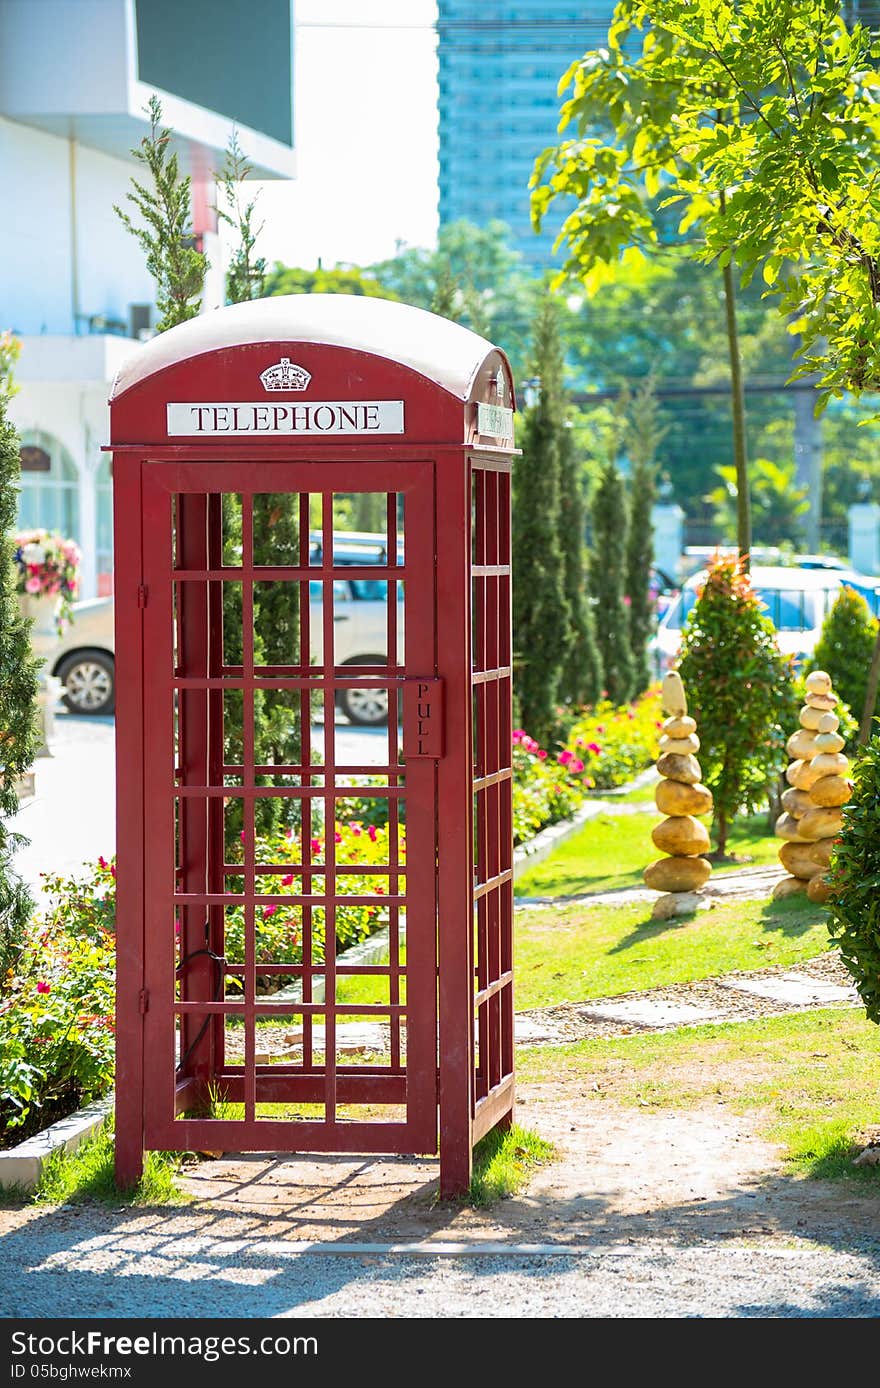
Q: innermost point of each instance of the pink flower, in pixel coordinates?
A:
(565, 757)
(577, 765)
(542, 755)
(241, 836)
(316, 845)
(43, 986)
(337, 837)
(372, 833)
(102, 863)
(32, 585)
(627, 600)
(269, 911)
(289, 835)
(594, 748)
(356, 830)
(288, 880)
(177, 927)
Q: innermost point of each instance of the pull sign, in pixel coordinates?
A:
(423, 718)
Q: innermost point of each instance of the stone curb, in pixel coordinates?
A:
(23, 1165)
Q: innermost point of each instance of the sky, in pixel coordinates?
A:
(365, 113)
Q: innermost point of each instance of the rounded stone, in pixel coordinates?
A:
(682, 836)
(809, 717)
(819, 889)
(818, 682)
(825, 822)
(787, 827)
(830, 764)
(831, 790)
(801, 745)
(672, 694)
(677, 766)
(829, 723)
(682, 745)
(793, 770)
(797, 802)
(795, 858)
(829, 742)
(825, 702)
(806, 777)
(788, 886)
(680, 725)
(821, 851)
(679, 797)
(678, 874)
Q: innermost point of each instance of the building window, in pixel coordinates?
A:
(49, 498)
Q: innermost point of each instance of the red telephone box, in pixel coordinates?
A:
(239, 440)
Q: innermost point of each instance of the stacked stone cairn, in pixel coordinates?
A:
(680, 796)
(818, 788)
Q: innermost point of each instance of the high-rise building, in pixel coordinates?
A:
(499, 68)
(75, 77)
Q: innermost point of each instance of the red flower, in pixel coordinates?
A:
(43, 986)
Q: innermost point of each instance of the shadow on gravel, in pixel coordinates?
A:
(237, 1255)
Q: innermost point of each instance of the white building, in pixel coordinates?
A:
(75, 77)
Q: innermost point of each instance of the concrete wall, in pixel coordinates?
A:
(63, 250)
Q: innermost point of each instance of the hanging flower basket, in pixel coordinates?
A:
(48, 567)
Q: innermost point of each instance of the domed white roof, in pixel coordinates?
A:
(442, 351)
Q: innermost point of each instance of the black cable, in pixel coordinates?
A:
(220, 961)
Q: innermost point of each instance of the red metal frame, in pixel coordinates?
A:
(454, 891)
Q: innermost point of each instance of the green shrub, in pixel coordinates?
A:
(57, 1015)
(845, 648)
(616, 743)
(854, 904)
(545, 790)
(739, 691)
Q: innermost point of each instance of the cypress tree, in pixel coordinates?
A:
(541, 613)
(607, 582)
(277, 720)
(18, 693)
(581, 679)
(644, 434)
(166, 238)
(246, 272)
(639, 558)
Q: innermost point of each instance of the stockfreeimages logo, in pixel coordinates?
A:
(95, 1344)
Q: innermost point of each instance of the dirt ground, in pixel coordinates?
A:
(621, 1174)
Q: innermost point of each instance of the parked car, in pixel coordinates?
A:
(796, 600)
(84, 657)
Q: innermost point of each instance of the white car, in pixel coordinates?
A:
(84, 657)
(796, 601)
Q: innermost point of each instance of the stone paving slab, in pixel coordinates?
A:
(795, 989)
(650, 1013)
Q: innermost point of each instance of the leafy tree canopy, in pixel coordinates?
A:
(342, 279)
(758, 121)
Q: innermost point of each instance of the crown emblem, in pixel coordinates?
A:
(285, 375)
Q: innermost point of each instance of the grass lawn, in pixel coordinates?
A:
(566, 954)
(612, 851)
(812, 1078)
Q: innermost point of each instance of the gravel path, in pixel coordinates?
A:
(68, 1273)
